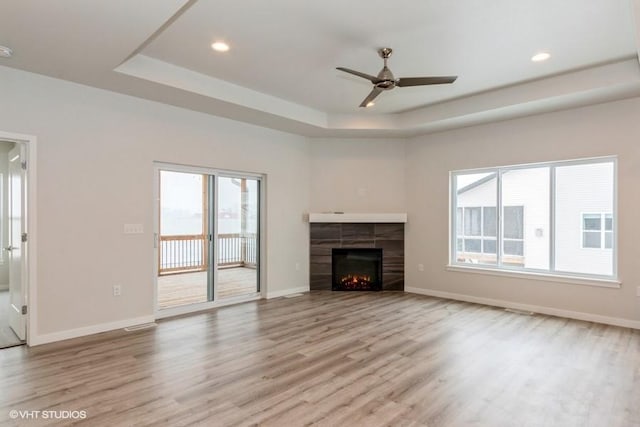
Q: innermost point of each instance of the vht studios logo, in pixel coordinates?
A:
(47, 415)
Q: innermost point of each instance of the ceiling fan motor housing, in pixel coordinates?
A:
(388, 81)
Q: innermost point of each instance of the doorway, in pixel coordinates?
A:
(207, 238)
(13, 240)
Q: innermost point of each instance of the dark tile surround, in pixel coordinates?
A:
(388, 237)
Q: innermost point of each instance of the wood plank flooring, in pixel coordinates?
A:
(338, 359)
(189, 288)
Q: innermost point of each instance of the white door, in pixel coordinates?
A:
(17, 294)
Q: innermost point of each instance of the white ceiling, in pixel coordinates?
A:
(281, 72)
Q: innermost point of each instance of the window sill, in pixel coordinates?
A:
(574, 280)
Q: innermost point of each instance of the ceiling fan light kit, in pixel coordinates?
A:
(386, 81)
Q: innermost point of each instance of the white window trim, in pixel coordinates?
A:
(551, 274)
(531, 275)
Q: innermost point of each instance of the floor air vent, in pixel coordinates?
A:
(523, 312)
(142, 326)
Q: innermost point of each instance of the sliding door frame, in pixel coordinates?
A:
(215, 173)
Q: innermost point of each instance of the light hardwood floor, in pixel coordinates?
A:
(189, 288)
(338, 359)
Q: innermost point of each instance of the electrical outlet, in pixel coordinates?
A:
(420, 267)
(117, 290)
(297, 266)
(638, 291)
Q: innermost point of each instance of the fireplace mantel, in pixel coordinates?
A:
(359, 218)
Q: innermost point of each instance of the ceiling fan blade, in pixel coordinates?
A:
(372, 95)
(421, 81)
(372, 79)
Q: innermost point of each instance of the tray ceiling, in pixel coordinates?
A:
(280, 71)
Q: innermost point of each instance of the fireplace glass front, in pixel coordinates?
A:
(357, 269)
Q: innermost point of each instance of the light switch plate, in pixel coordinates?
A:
(133, 229)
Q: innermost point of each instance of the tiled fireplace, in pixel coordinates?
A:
(331, 238)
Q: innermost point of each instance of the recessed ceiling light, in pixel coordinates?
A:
(5, 52)
(542, 56)
(220, 46)
(370, 104)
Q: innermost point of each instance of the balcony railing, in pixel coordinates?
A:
(190, 252)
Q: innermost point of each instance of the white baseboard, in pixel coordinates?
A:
(578, 315)
(105, 327)
(88, 330)
(277, 294)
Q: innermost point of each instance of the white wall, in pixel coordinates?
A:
(357, 175)
(607, 129)
(95, 173)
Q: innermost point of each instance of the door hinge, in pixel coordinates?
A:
(24, 309)
(24, 165)
(24, 237)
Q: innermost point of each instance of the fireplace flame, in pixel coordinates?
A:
(355, 281)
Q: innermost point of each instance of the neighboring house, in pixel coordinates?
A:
(583, 220)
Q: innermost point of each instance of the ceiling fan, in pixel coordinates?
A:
(386, 81)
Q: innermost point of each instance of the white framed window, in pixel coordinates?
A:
(523, 218)
(597, 230)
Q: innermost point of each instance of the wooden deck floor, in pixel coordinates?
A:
(337, 359)
(189, 288)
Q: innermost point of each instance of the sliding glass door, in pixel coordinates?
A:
(183, 247)
(238, 242)
(208, 236)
